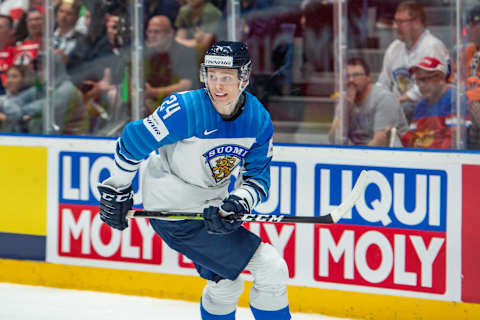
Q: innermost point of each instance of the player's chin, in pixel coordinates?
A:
(224, 108)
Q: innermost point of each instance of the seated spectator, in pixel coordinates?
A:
(98, 66)
(413, 43)
(18, 94)
(6, 49)
(65, 36)
(197, 24)
(69, 113)
(434, 122)
(27, 50)
(169, 65)
(21, 28)
(371, 109)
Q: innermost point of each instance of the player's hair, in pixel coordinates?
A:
(9, 19)
(415, 10)
(358, 61)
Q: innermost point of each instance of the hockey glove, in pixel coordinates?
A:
(234, 207)
(226, 219)
(114, 205)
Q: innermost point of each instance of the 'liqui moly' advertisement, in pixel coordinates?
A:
(402, 237)
(394, 237)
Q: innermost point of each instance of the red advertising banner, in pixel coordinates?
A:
(391, 258)
(83, 235)
(470, 233)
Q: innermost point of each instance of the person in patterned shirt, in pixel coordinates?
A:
(414, 41)
(434, 120)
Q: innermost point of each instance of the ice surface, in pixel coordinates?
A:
(22, 302)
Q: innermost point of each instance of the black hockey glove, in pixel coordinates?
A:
(234, 207)
(226, 219)
(114, 205)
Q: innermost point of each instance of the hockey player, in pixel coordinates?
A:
(202, 138)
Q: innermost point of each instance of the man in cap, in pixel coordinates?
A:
(434, 118)
(414, 41)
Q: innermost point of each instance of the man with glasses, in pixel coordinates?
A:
(413, 43)
(371, 109)
(434, 121)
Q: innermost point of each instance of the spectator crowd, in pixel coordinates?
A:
(412, 102)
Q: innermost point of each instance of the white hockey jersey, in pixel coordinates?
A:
(398, 60)
(197, 152)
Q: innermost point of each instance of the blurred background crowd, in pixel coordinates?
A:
(358, 72)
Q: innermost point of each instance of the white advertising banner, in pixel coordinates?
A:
(401, 238)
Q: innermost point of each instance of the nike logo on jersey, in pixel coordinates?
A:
(206, 132)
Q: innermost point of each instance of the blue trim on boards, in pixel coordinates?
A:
(282, 144)
(329, 146)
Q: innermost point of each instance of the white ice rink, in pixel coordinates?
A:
(20, 302)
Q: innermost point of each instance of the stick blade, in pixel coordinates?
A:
(352, 198)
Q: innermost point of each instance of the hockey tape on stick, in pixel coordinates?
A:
(330, 218)
(352, 198)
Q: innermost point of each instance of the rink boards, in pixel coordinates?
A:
(412, 235)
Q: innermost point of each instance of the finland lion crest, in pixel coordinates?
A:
(223, 159)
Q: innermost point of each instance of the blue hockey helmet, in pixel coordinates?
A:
(227, 54)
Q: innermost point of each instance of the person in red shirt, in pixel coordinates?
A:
(27, 50)
(6, 50)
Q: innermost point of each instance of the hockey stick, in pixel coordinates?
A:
(330, 218)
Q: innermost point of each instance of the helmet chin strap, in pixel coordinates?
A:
(237, 109)
(231, 106)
